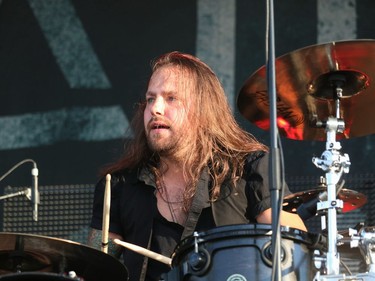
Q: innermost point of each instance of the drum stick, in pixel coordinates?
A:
(106, 211)
(145, 252)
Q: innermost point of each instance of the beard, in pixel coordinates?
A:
(162, 145)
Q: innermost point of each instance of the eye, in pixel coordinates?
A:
(150, 100)
(171, 98)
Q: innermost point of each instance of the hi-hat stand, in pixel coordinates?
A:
(334, 163)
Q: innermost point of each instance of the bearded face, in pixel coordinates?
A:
(166, 114)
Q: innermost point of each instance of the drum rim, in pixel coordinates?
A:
(245, 229)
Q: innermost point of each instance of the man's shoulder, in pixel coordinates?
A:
(119, 178)
(255, 156)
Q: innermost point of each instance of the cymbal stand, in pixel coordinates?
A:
(334, 164)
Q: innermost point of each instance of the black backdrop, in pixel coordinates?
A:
(71, 72)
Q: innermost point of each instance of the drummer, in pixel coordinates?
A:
(190, 167)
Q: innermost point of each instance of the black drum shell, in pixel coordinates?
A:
(239, 253)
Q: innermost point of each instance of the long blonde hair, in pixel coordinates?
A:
(219, 142)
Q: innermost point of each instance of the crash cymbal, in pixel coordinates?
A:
(33, 253)
(36, 276)
(306, 80)
(351, 199)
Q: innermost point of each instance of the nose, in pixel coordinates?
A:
(158, 106)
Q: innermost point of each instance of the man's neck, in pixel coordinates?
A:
(172, 171)
(170, 166)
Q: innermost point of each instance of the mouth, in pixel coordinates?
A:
(158, 125)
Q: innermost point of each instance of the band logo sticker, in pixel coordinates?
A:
(236, 277)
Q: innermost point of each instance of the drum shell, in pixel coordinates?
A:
(241, 252)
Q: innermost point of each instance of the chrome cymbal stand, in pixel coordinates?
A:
(334, 164)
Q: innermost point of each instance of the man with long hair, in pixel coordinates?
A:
(190, 167)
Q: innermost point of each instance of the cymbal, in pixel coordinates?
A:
(28, 253)
(352, 199)
(306, 80)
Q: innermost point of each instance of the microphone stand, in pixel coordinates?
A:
(27, 192)
(274, 151)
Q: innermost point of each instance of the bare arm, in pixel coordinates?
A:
(286, 219)
(95, 241)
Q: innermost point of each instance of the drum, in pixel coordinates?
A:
(243, 252)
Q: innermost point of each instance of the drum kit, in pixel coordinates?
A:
(324, 93)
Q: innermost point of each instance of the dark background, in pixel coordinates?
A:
(72, 71)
